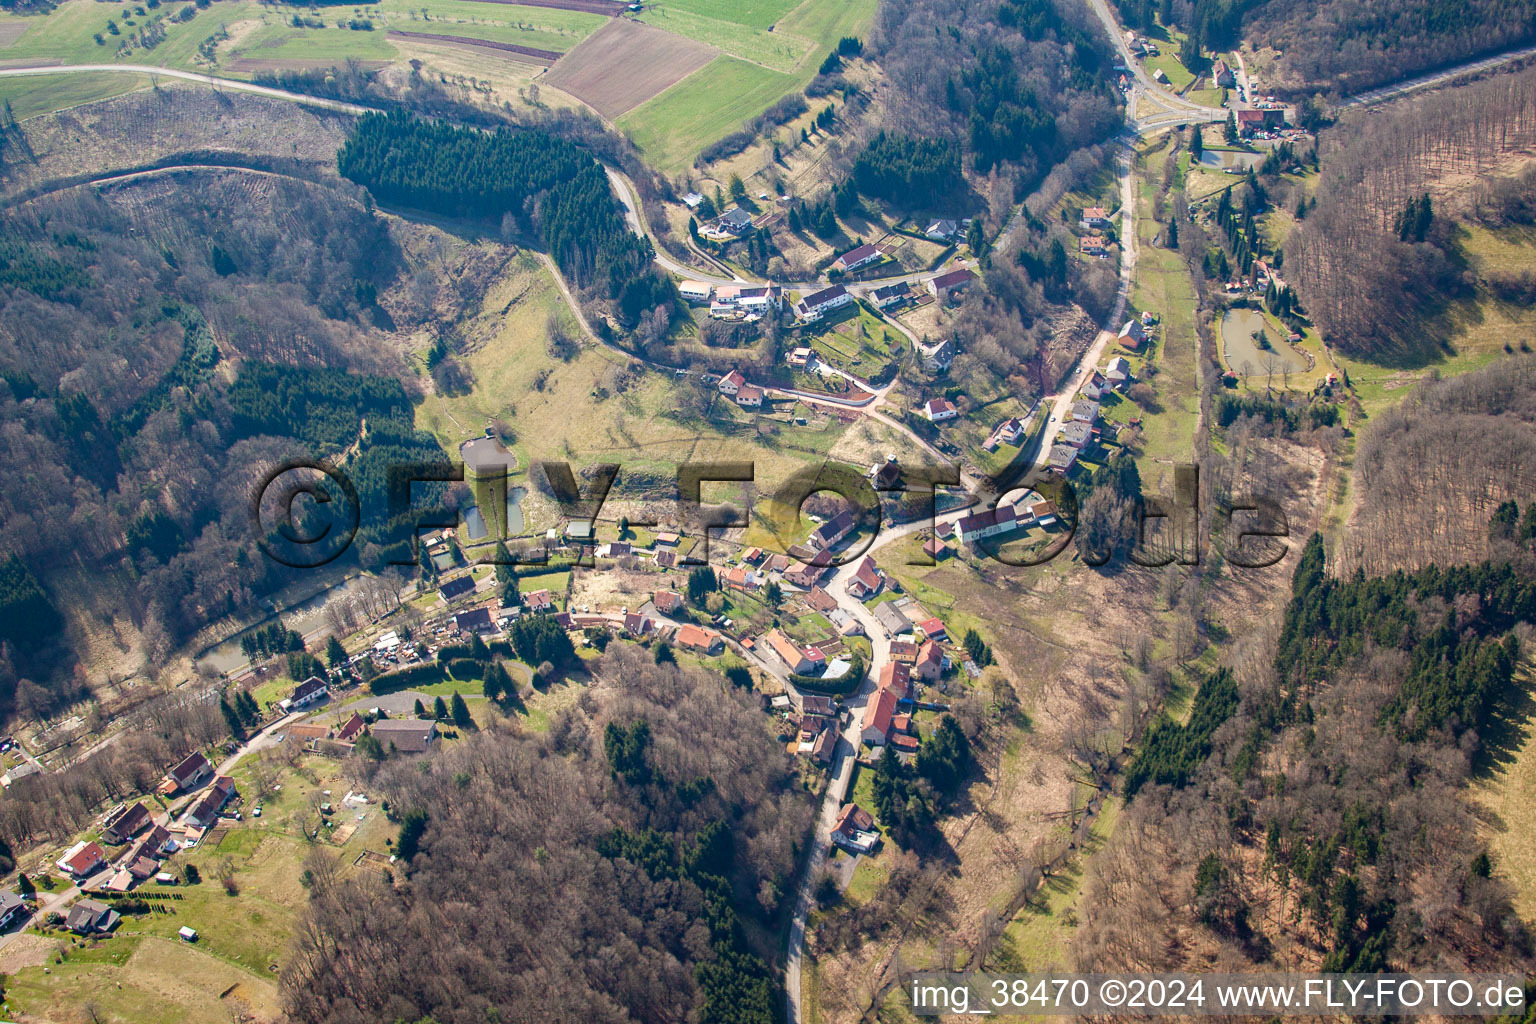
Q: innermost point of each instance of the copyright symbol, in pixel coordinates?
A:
(304, 514)
(1112, 992)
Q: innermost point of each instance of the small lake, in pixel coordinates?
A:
(307, 616)
(1227, 160)
(1245, 354)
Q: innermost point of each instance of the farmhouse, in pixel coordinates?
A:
(750, 398)
(831, 531)
(990, 523)
(695, 638)
(694, 293)
(937, 410)
(862, 256)
(818, 304)
(188, 772)
(947, 285)
(125, 822)
(405, 735)
(875, 728)
(789, 653)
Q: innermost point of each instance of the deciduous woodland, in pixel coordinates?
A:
(616, 869)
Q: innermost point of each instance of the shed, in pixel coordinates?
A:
(187, 934)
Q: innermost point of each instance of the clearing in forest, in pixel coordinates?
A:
(625, 63)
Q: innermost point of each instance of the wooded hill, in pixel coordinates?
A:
(606, 871)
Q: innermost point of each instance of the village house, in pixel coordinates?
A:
(1095, 218)
(855, 830)
(1085, 411)
(351, 729)
(885, 475)
(948, 285)
(475, 620)
(818, 304)
(801, 358)
(831, 531)
(936, 549)
(82, 859)
(308, 732)
(538, 601)
(845, 624)
(1132, 335)
(791, 654)
(875, 727)
(1062, 458)
(930, 662)
(186, 774)
(903, 651)
(668, 602)
(776, 563)
(937, 357)
(987, 523)
(825, 747)
(742, 579)
(937, 410)
(1222, 75)
(310, 691)
(695, 293)
(636, 624)
(11, 906)
(580, 532)
(1119, 371)
(205, 811)
(1043, 513)
(890, 295)
(942, 230)
(896, 677)
(1077, 434)
(696, 638)
(91, 917)
(404, 735)
(1093, 388)
(862, 256)
(729, 385)
(125, 822)
(1093, 245)
(804, 574)
(456, 587)
(734, 222)
(867, 580)
(933, 629)
(750, 398)
(891, 618)
(820, 600)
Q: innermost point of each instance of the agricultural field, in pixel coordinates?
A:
(626, 63)
(30, 95)
(672, 128)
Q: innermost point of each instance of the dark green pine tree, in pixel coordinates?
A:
(439, 709)
(460, 712)
(335, 654)
(232, 720)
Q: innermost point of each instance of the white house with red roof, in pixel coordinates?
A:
(937, 410)
(732, 382)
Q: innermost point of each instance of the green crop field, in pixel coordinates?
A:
(30, 95)
(780, 51)
(281, 41)
(756, 13)
(713, 101)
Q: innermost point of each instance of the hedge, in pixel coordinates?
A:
(465, 668)
(849, 683)
(404, 678)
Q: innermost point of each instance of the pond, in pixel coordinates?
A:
(307, 617)
(1247, 356)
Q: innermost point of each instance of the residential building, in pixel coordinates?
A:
(750, 398)
(186, 774)
(855, 830)
(801, 358)
(933, 629)
(1085, 411)
(1119, 371)
(91, 917)
(936, 549)
(125, 822)
(12, 906)
(741, 578)
(538, 601)
(671, 540)
(825, 747)
(896, 677)
(845, 624)
(1222, 75)
(668, 602)
(310, 691)
(790, 653)
(987, 523)
(476, 620)
(875, 727)
(637, 625)
(942, 230)
(904, 651)
(695, 293)
(758, 299)
(205, 810)
(1093, 245)
(352, 729)
(82, 859)
(818, 304)
(580, 531)
(937, 356)
(696, 638)
(1077, 434)
(729, 385)
(1063, 457)
(404, 735)
(456, 587)
(734, 222)
(890, 295)
(1043, 513)
(930, 662)
(820, 600)
(861, 256)
(1095, 218)
(947, 285)
(937, 410)
(804, 574)
(867, 580)
(891, 618)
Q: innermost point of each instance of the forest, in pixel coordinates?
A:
(540, 182)
(1372, 287)
(609, 870)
